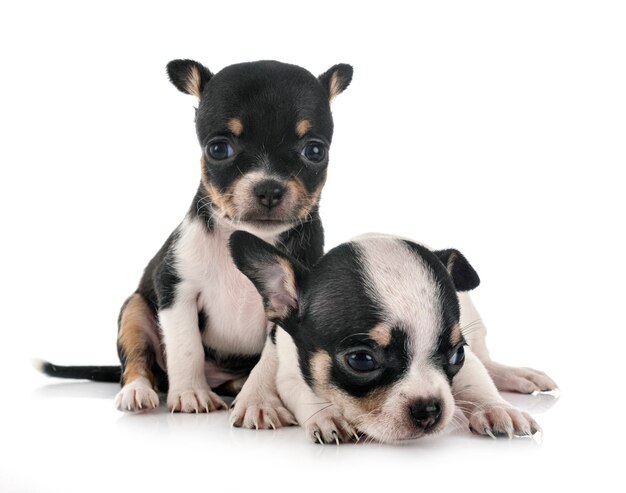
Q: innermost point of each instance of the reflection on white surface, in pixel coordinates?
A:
(77, 439)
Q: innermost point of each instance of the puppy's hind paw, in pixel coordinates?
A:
(499, 420)
(137, 395)
(522, 380)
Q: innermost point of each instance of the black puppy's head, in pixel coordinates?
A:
(376, 326)
(265, 130)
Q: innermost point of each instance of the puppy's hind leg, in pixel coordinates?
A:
(487, 412)
(137, 334)
(506, 378)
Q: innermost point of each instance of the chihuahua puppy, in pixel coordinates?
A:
(371, 340)
(195, 323)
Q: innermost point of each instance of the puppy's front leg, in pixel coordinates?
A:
(324, 422)
(258, 405)
(506, 378)
(188, 388)
(488, 413)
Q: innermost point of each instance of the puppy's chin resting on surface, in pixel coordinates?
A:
(369, 340)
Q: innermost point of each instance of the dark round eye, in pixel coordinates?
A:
(457, 357)
(220, 150)
(361, 361)
(314, 152)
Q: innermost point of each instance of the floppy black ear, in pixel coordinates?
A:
(463, 274)
(336, 79)
(188, 76)
(276, 276)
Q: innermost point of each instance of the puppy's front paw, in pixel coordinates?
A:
(259, 413)
(329, 426)
(194, 400)
(137, 395)
(502, 420)
(522, 380)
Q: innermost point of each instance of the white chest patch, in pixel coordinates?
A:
(236, 321)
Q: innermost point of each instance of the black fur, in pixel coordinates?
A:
(95, 373)
(343, 77)
(336, 310)
(269, 98)
(235, 363)
(463, 275)
(180, 71)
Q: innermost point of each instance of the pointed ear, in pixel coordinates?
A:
(463, 274)
(276, 276)
(336, 79)
(188, 76)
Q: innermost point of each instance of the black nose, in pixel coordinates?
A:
(269, 193)
(426, 413)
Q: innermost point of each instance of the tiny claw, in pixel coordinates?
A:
(490, 433)
(139, 404)
(356, 436)
(317, 435)
(509, 433)
(272, 424)
(336, 437)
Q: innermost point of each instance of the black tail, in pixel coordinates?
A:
(95, 373)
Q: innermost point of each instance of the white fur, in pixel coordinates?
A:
(258, 405)
(314, 414)
(236, 320)
(488, 413)
(136, 396)
(405, 288)
(403, 285)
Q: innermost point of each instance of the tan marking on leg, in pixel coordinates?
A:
(302, 127)
(135, 320)
(235, 126)
(381, 334)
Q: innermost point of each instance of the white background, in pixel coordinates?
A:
(494, 127)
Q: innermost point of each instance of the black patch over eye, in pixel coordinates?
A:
(219, 150)
(314, 151)
(362, 361)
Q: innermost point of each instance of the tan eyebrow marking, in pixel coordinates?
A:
(302, 127)
(235, 126)
(457, 336)
(380, 334)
